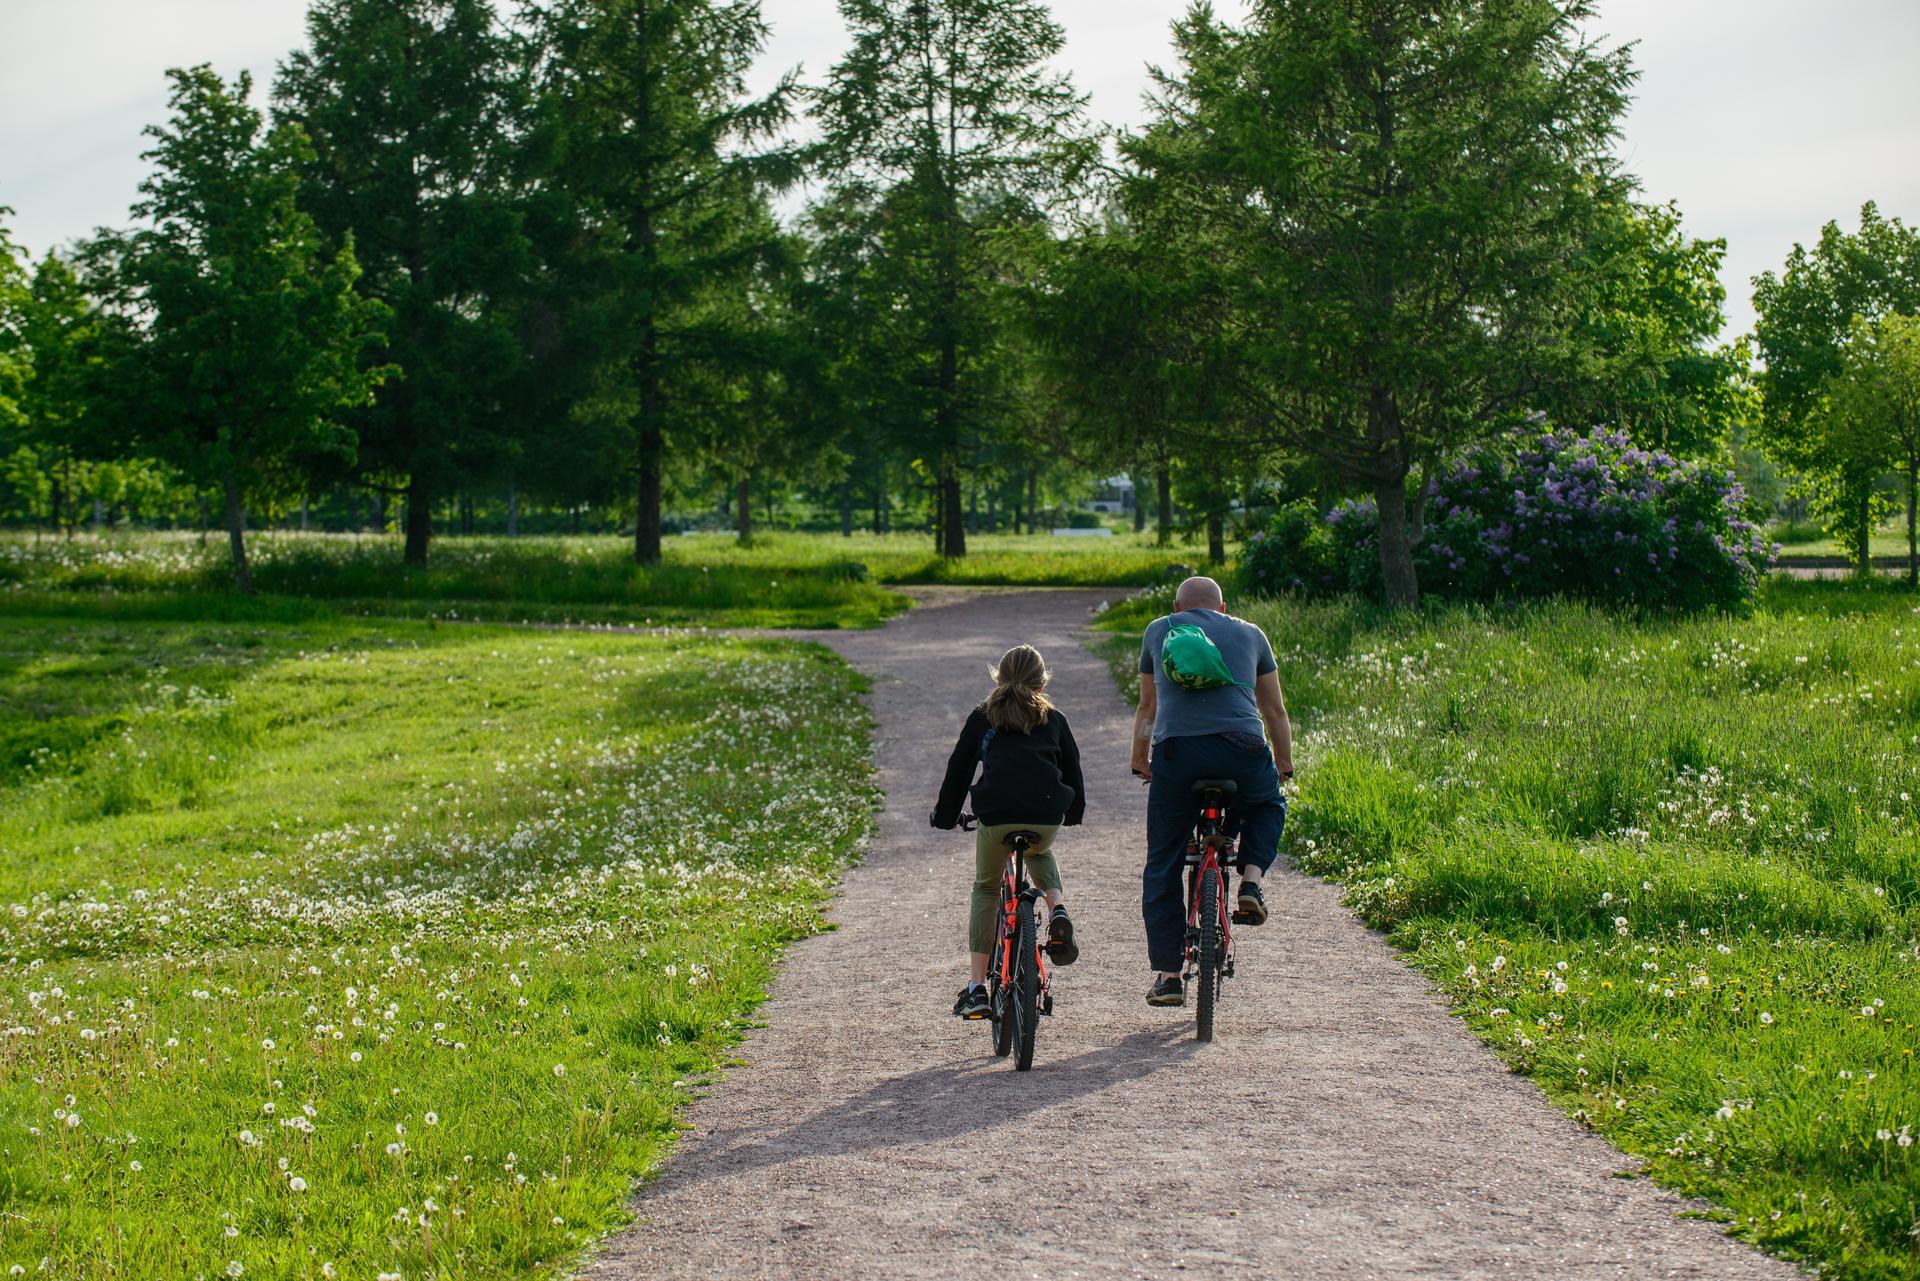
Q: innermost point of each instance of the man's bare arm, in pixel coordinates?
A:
(1273, 712)
(1143, 726)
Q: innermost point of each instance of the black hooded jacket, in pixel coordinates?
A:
(1024, 778)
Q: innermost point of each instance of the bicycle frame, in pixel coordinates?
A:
(1015, 889)
(1212, 819)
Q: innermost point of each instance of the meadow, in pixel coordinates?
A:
(341, 948)
(781, 580)
(1668, 867)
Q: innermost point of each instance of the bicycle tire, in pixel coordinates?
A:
(1026, 988)
(1207, 979)
(999, 997)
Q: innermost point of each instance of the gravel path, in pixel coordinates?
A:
(1343, 1125)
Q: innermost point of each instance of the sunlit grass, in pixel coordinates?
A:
(1669, 867)
(781, 580)
(343, 948)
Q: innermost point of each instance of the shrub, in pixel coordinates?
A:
(1293, 552)
(1589, 516)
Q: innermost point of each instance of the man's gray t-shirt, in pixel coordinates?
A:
(1228, 709)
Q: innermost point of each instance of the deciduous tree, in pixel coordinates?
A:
(1395, 194)
(232, 337)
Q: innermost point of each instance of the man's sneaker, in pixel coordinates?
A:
(1251, 907)
(973, 1002)
(1167, 991)
(1061, 949)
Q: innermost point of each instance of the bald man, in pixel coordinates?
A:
(1237, 731)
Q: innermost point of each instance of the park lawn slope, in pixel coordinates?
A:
(780, 580)
(382, 946)
(1670, 868)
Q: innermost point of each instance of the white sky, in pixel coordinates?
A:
(1763, 118)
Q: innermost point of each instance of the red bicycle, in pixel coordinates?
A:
(1019, 981)
(1209, 918)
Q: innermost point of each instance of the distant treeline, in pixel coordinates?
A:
(537, 261)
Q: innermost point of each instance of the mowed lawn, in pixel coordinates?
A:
(349, 949)
(1669, 868)
(781, 580)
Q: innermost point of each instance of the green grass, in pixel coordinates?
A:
(1042, 560)
(782, 580)
(1808, 539)
(443, 923)
(1671, 868)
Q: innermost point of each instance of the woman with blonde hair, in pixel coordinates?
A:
(1029, 778)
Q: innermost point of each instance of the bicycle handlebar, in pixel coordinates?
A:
(967, 821)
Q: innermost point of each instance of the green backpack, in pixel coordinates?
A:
(1192, 661)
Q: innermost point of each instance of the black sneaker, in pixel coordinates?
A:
(973, 1002)
(1061, 949)
(1251, 907)
(1167, 991)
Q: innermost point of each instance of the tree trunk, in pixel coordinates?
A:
(1163, 534)
(1216, 538)
(744, 520)
(846, 509)
(200, 501)
(956, 516)
(379, 513)
(513, 511)
(1139, 509)
(1033, 501)
(305, 521)
(419, 518)
(1863, 531)
(236, 514)
(973, 509)
(878, 494)
(1401, 587)
(646, 525)
(939, 518)
(1913, 546)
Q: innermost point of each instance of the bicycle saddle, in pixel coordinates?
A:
(1224, 786)
(1032, 838)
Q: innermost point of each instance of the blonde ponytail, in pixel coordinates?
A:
(1019, 700)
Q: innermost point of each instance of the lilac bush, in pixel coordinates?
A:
(1565, 514)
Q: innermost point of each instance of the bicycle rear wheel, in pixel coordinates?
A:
(1207, 979)
(1000, 994)
(1026, 988)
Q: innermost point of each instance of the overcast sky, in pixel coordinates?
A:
(1763, 118)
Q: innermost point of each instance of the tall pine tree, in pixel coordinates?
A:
(411, 109)
(644, 124)
(942, 125)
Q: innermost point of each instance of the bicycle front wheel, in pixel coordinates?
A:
(1207, 979)
(1026, 988)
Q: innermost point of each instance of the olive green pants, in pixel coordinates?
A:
(990, 855)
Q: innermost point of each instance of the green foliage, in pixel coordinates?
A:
(231, 336)
(1294, 552)
(646, 132)
(1804, 326)
(1641, 355)
(410, 109)
(1876, 397)
(1392, 200)
(1669, 868)
(16, 366)
(334, 918)
(946, 138)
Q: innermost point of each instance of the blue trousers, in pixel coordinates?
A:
(1172, 810)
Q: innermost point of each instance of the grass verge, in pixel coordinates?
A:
(1670, 868)
(335, 948)
(782, 580)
